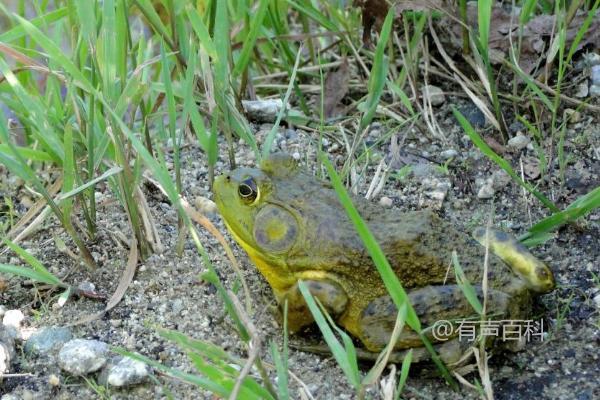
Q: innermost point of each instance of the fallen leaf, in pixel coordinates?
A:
(375, 11)
(494, 145)
(373, 14)
(335, 88)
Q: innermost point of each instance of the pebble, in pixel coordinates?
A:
(48, 339)
(591, 59)
(595, 75)
(499, 179)
(574, 116)
(296, 156)
(434, 94)
(262, 110)
(87, 286)
(474, 115)
(3, 307)
(13, 318)
(595, 90)
(6, 355)
(582, 90)
(53, 380)
(124, 371)
(26, 202)
(81, 356)
(435, 190)
(486, 191)
(386, 201)
(518, 142)
(597, 301)
(447, 154)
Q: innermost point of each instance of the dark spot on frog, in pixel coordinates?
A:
(502, 236)
(261, 237)
(370, 310)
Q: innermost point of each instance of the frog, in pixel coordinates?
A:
(294, 228)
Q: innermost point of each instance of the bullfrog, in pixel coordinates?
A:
(293, 227)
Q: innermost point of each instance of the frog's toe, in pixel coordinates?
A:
(535, 273)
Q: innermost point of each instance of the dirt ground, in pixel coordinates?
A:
(167, 291)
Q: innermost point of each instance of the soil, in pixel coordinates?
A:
(168, 292)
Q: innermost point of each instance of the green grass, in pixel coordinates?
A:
(100, 102)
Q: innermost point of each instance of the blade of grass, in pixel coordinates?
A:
(465, 285)
(378, 75)
(38, 271)
(340, 353)
(249, 42)
(18, 32)
(575, 210)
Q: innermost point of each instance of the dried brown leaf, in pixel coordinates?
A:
(335, 88)
(373, 14)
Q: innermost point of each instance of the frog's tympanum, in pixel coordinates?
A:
(294, 227)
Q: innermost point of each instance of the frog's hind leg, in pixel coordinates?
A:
(435, 306)
(535, 273)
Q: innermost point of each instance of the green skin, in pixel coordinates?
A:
(293, 227)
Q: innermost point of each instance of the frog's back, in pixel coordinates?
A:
(418, 244)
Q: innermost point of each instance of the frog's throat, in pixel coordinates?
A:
(275, 272)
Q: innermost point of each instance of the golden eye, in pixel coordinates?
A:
(247, 190)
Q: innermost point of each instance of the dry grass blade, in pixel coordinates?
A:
(149, 226)
(484, 372)
(33, 211)
(124, 283)
(20, 57)
(253, 346)
(463, 81)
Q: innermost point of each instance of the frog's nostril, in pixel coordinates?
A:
(228, 178)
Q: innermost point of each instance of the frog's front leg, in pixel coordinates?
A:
(331, 295)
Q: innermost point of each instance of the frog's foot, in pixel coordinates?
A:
(445, 304)
(331, 295)
(535, 273)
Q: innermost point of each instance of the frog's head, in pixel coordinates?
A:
(248, 202)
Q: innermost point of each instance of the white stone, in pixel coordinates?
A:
(434, 94)
(582, 90)
(386, 201)
(81, 356)
(518, 142)
(262, 110)
(13, 318)
(595, 90)
(450, 153)
(486, 191)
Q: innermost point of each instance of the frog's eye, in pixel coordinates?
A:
(248, 190)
